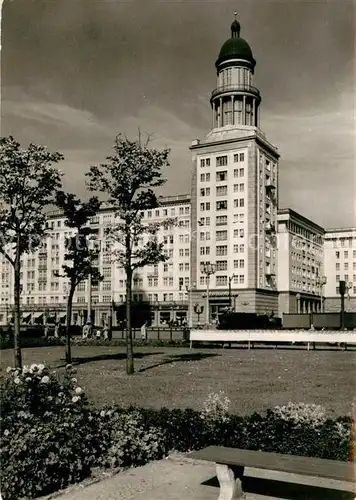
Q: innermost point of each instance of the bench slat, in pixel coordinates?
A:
(306, 466)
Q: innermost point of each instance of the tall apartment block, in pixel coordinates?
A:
(235, 191)
(340, 264)
(300, 245)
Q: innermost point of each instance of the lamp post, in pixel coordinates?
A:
(208, 269)
(230, 280)
(320, 282)
(190, 289)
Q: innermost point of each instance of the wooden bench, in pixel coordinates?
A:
(230, 463)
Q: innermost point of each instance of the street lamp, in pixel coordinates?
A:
(208, 269)
(320, 282)
(190, 289)
(230, 280)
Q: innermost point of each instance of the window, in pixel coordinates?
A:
(236, 158)
(242, 233)
(202, 207)
(236, 203)
(242, 278)
(242, 263)
(236, 248)
(202, 163)
(207, 178)
(149, 213)
(202, 236)
(207, 206)
(242, 202)
(236, 172)
(337, 254)
(221, 235)
(242, 156)
(221, 250)
(186, 252)
(221, 220)
(187, 209)
(236, 188)
(236, 263)
(205, 192)
(221, 161)
(221, 280)
(346, 266)
(346, 254)
(242, 187)
(221, 205)
(202, 177)
(242, 172)
(354, 254)
(221, 176)
(337, 266)
(221, 265)
(221, 191)
(181, 266)
(181, 252)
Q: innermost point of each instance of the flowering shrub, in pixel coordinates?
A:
(126, 440)
(215, 407)
(302, 413)
(48, 433)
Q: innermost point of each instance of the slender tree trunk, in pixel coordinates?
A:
(68, 326)
(17, 312)
(130, 369)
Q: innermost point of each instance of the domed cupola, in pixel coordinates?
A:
(235, 48)
(235, 100)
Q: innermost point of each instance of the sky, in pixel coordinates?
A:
(77, 72)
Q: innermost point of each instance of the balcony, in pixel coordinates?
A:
(270, 228)
(228, 89)
(270, 185)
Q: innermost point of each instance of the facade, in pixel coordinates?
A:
(340, 264)
(300, 263)
(165, 285)
(230, 245)
(235, 192)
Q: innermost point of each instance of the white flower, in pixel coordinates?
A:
(102, 413)
(74, 380)
(25, 370)
(28, 379)
(78, 390)
(6, 432)
(40, 367)
(16, 373)
(17, 381)
(44, 380)
(33, 367)
(8, 369)
(75, 399)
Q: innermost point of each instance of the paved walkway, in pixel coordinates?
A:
(180, 478)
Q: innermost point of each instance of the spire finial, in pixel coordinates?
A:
(235, 27)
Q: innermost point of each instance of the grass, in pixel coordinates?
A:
(176, 377)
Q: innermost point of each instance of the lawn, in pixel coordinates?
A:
(176, 377)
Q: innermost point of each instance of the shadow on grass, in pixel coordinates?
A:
(106, 357)
(177, 358)
(283, 489)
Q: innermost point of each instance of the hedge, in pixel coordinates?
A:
(52, 436)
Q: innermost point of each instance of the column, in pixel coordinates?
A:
(221, 113)
(244, 110)
(232, 110)
(254, 112)
(214, 113)
(309, 307)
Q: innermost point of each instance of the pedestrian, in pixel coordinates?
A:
(45, 331)
(57, 330)
(106, 332)
(85, 331)
(98, 334)
(144, 331)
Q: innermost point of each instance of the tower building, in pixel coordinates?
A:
(235, 192)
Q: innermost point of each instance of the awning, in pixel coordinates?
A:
(62, 315)
(37, 315)
(26, 317)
